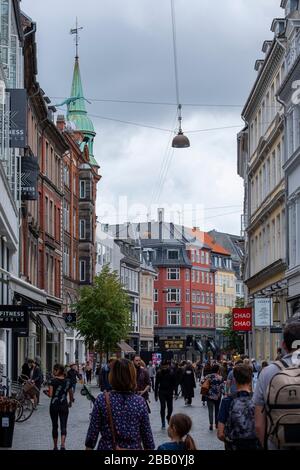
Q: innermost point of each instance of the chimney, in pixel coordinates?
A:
(172, 231)
(149, 230)
(161, 213)
(60, 122)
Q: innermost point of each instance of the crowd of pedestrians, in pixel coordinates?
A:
(252, 406)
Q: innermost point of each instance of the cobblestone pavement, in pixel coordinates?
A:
(35, 434)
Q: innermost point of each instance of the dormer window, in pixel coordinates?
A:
(278, 26)
(258, 65)
(292, 5)
(266, 46)
(173, 254)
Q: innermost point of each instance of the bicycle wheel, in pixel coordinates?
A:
(19, 412)
(27, 406)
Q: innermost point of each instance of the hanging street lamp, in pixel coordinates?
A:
(180, 141)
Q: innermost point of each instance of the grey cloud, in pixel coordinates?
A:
(126, 53)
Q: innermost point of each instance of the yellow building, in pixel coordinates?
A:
(260, 163)
(225, 291)
(147, 277)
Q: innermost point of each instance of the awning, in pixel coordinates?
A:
(27, 290)
(46, 323)
(57, 324)
(125, 347)
(63, 324)
(199, 346)
(213, 346)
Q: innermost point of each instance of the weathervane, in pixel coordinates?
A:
(76, 31)
(73, 99)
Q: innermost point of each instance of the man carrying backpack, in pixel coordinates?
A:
(277, 397)
(236, 425)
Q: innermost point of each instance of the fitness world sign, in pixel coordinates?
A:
(14, 317)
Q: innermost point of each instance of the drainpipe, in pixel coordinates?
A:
(31, 31)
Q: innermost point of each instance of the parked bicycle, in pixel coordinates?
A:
(18, 391)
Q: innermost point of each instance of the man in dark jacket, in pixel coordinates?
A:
(73, 375)
(165, 385)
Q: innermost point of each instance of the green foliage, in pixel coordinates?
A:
(103, 312)
(234, 339)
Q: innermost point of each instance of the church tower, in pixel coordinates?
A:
(77, 112)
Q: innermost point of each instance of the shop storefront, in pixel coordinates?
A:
(43, 340)
(194, 346)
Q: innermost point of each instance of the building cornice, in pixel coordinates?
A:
(47, 180)
(265, 209)
(263, 275)
(292, 162)
(268, 70)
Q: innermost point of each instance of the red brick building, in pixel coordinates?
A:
(184, 297)
(41, 240)
(184, 289)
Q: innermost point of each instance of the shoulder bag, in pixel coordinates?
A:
(111, 423)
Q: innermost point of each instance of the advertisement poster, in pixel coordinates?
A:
(156, 359)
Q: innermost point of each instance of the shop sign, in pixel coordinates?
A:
(18, 118)
(70, 318)
(173, 345)
(29, 178)
(14, 317)
(242, 319)
(263, 312)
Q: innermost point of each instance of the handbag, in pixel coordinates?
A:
(205, 387)
(111, 423)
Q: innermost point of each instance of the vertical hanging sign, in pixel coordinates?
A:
(18, 118)
(29, 178)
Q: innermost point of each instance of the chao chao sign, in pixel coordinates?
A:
(241, 319)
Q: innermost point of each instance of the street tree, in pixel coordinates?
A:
(103, 312)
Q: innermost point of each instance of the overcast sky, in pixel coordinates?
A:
(126, 54)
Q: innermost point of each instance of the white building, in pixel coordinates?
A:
(290, 97)
(11, 76)
(260, 163)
